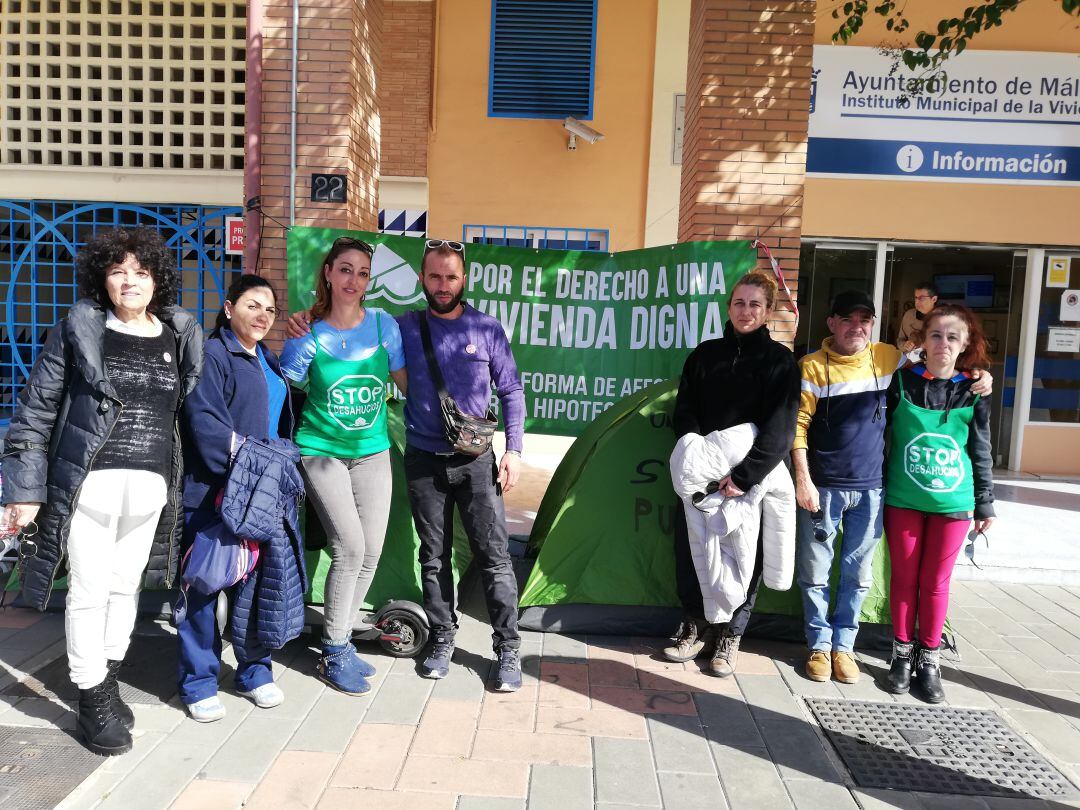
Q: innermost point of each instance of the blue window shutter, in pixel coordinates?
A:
(542, 58)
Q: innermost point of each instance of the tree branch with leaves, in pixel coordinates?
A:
(932, 48)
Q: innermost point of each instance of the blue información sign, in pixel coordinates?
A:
(934, 159)
(1002, 117)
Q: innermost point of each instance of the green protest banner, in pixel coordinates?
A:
(587, 329)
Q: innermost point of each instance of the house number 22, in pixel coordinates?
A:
(330, 188)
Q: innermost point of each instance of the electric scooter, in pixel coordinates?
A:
(401, 627)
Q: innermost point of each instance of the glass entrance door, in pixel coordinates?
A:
(824, 271)
(1009, 343)
(988, 280)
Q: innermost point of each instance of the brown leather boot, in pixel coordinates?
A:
(818, 667)
(844, 667)
(690, 641)
(726, 655)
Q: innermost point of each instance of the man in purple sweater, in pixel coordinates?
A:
(473, 353)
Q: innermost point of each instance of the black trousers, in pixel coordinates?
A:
(686, 581)
(437, 483)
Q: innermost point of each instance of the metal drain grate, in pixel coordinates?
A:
(39, 767)
(147, 676)
(936, 749)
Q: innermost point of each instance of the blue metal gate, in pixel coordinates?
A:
(38, 243)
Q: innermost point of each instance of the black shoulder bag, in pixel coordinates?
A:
(470, 435)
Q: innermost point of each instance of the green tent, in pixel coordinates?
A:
(603, 534)
(398, 574)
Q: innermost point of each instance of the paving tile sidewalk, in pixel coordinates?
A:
(599, 722)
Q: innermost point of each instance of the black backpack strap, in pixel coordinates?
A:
(429, 353)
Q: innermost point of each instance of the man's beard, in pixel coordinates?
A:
(443, 309)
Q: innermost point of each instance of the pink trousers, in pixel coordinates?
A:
(923, 550)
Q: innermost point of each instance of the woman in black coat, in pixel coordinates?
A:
(745, 376)
(93, 455)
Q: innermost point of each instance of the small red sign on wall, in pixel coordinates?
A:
(234, 235)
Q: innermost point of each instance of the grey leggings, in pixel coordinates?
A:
(352, 498)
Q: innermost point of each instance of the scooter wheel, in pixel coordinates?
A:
(404, 635)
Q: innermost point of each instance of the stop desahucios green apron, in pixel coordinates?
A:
(929, 468)
(345, 412)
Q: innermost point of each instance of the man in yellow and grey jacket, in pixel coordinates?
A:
(838, 453)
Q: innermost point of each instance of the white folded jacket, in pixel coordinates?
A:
(724, 531)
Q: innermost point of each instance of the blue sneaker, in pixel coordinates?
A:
(509, 677)
(437, 665)
(341, 668)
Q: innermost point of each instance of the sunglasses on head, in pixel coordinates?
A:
(435, 244)
(359, 244)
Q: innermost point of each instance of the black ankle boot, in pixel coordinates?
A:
(120, 709)
(98, 726)
(898, 681)
(928, 674)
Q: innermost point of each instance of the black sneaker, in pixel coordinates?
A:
(437, 664)
(509, 677)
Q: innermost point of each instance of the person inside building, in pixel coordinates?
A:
(92, 457)
(911, 323)
(939, 476)
(743, 377)
(241, 395)
(345, 361)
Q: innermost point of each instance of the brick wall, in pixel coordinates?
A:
(405, 86)
(337, 119)
(747, 112)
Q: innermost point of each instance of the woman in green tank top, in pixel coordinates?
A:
(346, 361)
(938, 477)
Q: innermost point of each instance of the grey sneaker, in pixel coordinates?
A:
(726, 655)
(690, 641)
(509, 677)
(437, 664)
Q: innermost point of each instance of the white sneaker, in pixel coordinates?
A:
(206, 710)
(266, 696)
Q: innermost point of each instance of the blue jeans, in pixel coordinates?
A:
(199, 656)
(200, 653)
(859, 512)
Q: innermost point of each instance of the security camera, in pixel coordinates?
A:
(578, 129)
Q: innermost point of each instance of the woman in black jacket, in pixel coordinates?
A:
(93, 455)
(745, 376)
(241, 395)
(938, 478)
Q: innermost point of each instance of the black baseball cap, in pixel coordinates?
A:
(850, 300)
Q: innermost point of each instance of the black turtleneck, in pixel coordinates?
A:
(736, 379)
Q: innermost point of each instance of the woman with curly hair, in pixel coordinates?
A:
(93, 455)
(938, 477)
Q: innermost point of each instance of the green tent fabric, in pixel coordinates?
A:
(398, 574)
(603, 532)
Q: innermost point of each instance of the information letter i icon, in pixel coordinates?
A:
(909, 158)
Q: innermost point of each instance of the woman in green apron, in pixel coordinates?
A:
(938, 477)
(346, 360)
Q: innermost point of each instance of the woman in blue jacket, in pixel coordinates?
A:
(241, 394)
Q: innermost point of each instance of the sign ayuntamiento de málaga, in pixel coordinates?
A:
(995, 117)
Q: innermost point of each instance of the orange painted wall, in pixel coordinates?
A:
(952, 212)
(512, 171)
(1051, 450)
